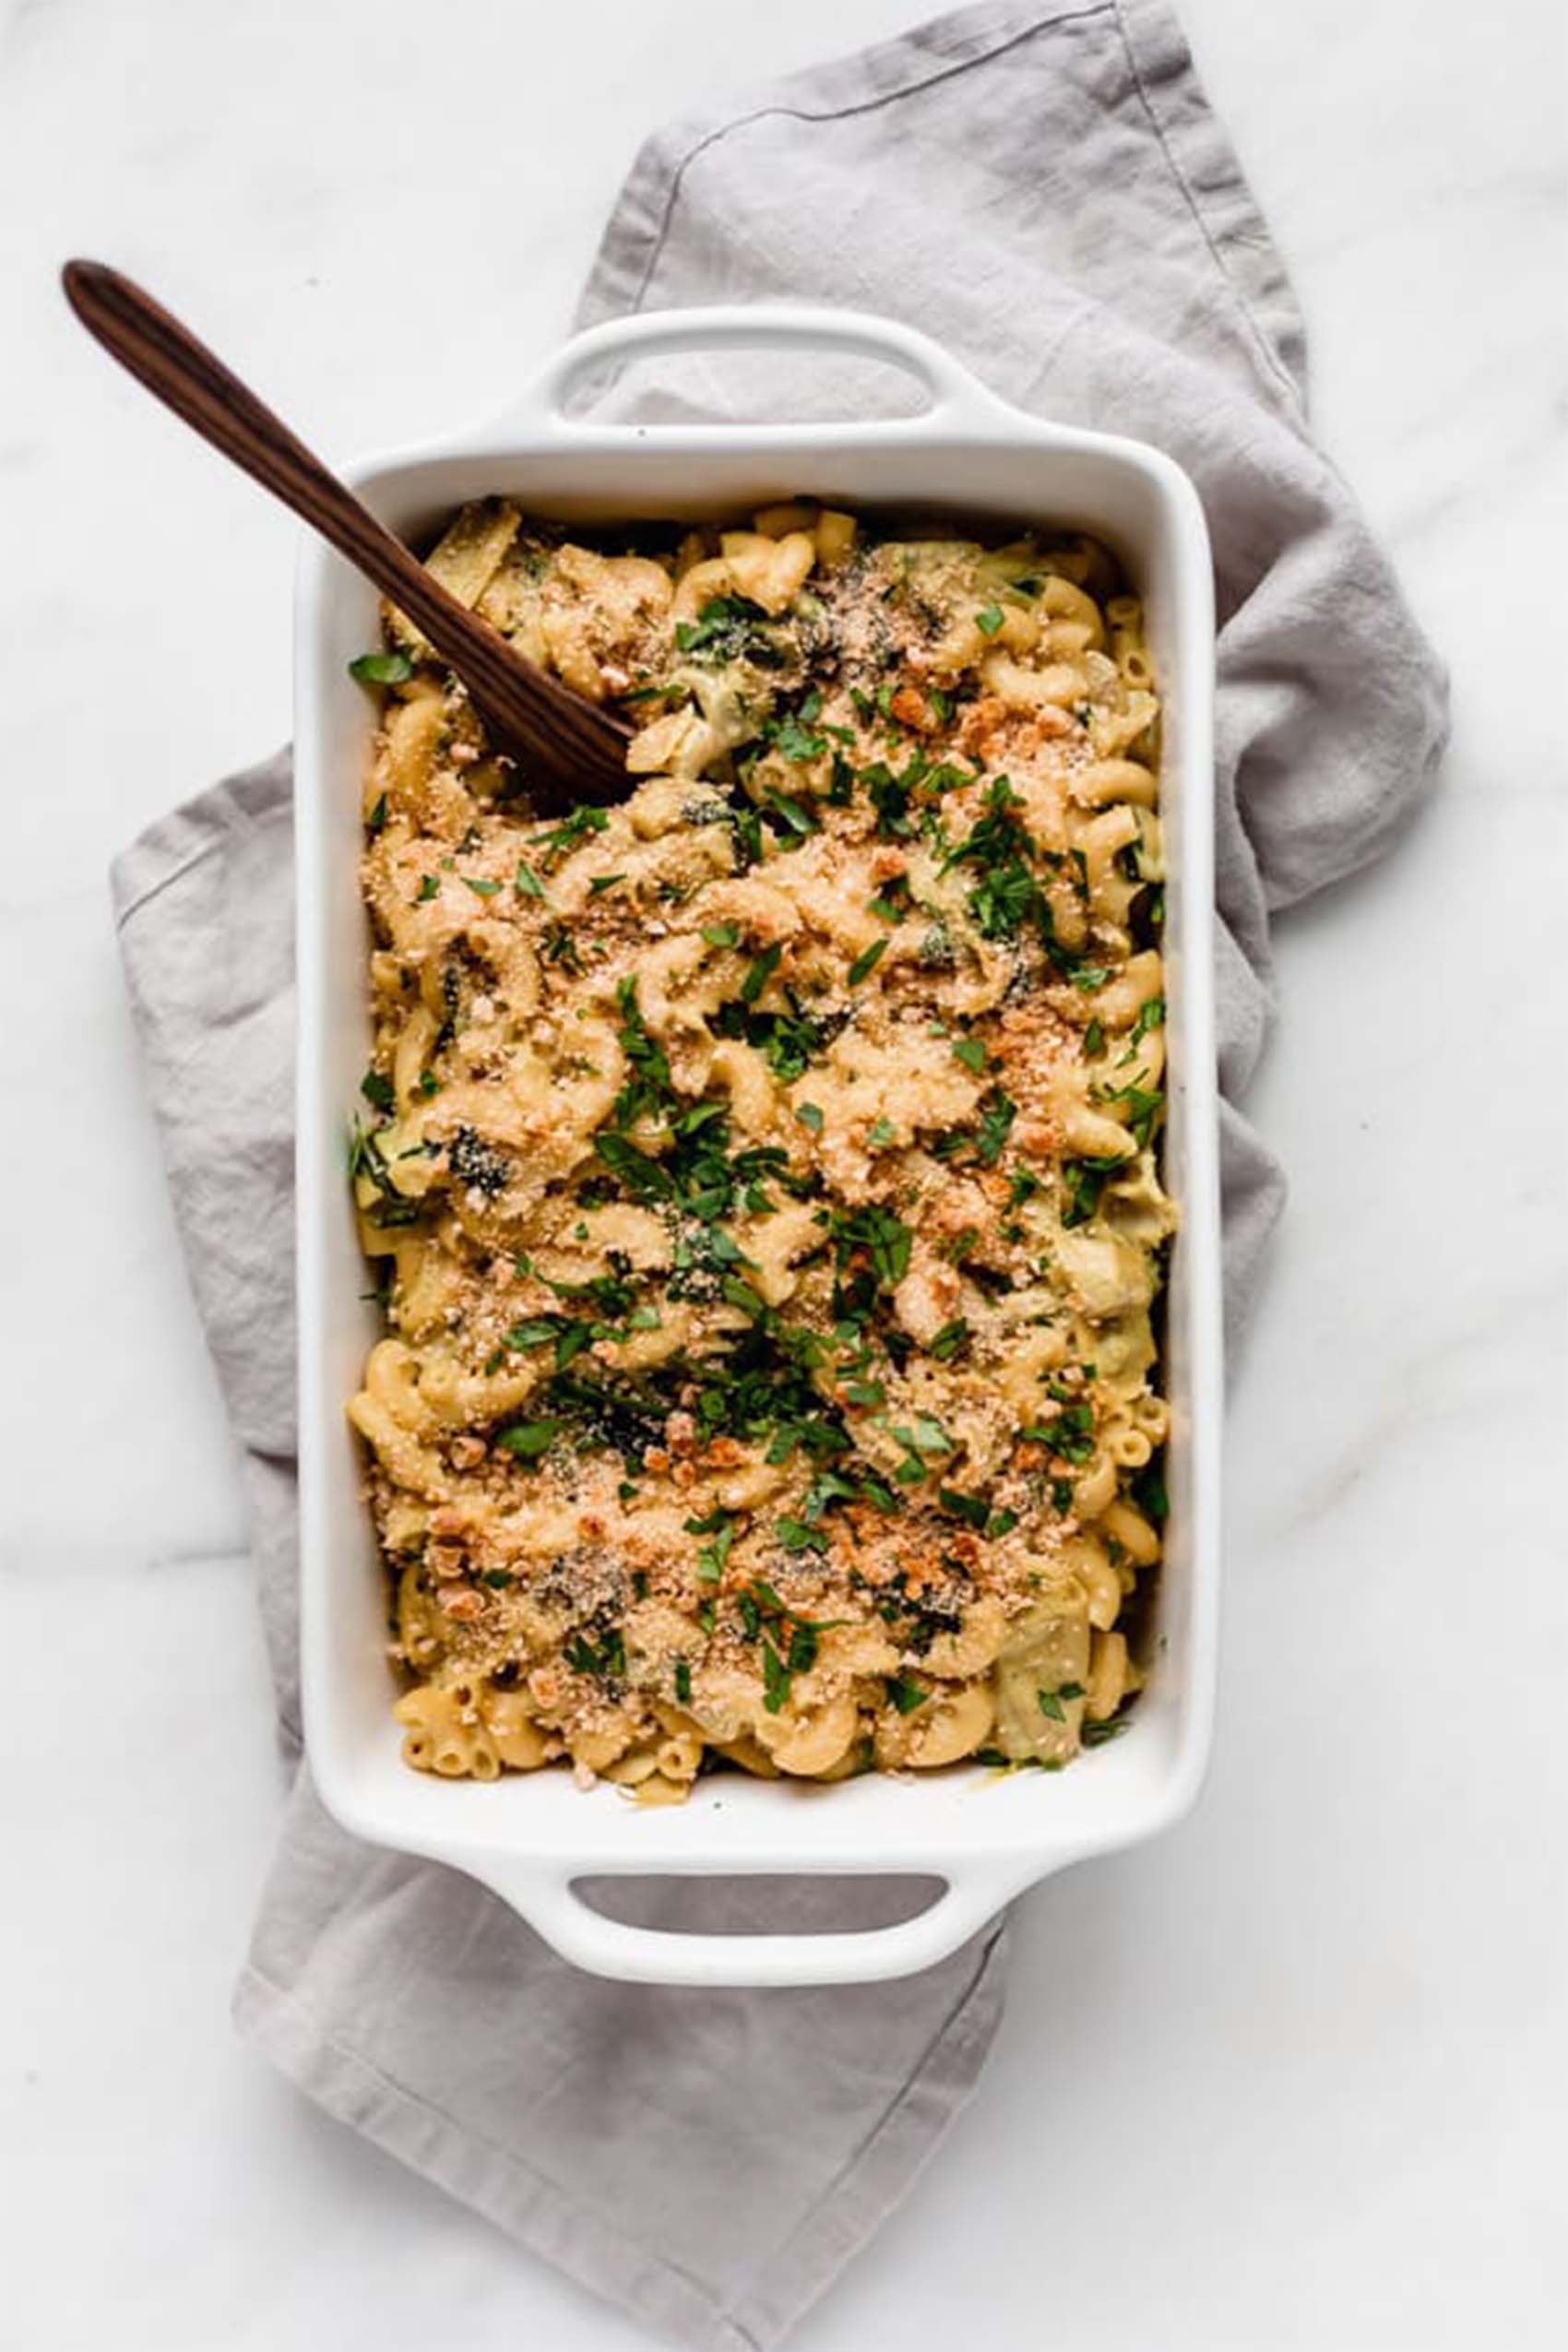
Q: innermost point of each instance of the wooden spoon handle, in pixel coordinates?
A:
(561, 730)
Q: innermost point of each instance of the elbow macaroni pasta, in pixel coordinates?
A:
(764, 1172)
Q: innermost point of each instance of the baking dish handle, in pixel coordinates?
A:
(608, 1947)
(953, 396)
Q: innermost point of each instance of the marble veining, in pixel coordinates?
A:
(1289, 2078)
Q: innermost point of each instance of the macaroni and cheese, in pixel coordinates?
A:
(763, 1173)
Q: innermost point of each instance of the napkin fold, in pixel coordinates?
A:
(1047, 191)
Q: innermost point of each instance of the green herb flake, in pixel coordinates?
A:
(683, 1682)
(971, 1052)
(378, 1090)
(796, 1535)
(427, 890)
(375, 821)
(526, 883)
(535, 1330)
(381, 668)
(793, 815)
(721, 935)
(482, 890)
(866, 962)
(526, 1440)
(603, 1659)
(1149, 1493)
(558, 840)
(990, 621)
(905, 1693)
(760, 972)
(886, 1239)
(728, 628)
(1085, 1181)
(808, 1116)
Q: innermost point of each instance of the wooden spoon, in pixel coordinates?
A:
(565, 748)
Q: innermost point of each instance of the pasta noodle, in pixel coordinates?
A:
(764, 1172)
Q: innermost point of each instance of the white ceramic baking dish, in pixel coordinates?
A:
(531, 1837)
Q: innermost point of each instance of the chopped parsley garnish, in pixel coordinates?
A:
(1141, 1105)
(904, 1693)
(381, 668)
(647, 1090)
(1085, 1180)
(973, 1509)
(997, 1114)
(1070, 1434)
(526, 1441)
(728, 628)
(481, 889)
(948, 1340)
(720, 1525)
(605, 1661)
(759, 972)
(866, 962)
(786, 1040)
(1007, 895)
(793, 738)
(990, 621)
(427, 890)
(792, 815)
(526, 883)
(798, 1535)
(378, 1090)
(808, 1116)
(885, 1238)
(789, 1642)
(558, 947)
(971, 1052)
(367, 1159)
(557, 842)
(534, 1331)
(1148, 1493)
(721, 935)
(377, 817)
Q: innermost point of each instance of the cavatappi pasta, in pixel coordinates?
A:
(764, 1171)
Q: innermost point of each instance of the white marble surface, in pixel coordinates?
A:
(1291, 2079)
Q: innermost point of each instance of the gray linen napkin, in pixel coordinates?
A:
(1047, 191)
